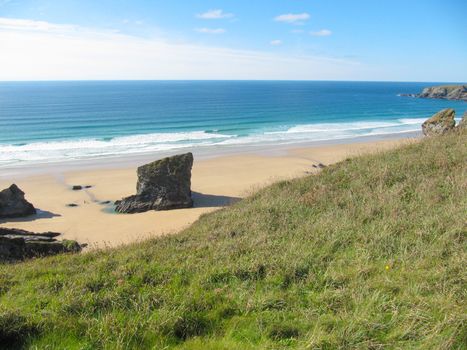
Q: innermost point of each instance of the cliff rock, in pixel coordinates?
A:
(447, 92)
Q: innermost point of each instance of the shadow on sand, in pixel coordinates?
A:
(41, 214)
(202, 200)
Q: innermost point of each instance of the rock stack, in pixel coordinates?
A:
(162, 185)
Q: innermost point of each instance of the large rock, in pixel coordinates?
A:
(439, 123)
(13, 204)
(18, 244)
(463, 123)
(162, 185)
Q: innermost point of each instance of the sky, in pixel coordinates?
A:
(369, 40)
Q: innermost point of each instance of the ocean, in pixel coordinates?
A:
(42, 122)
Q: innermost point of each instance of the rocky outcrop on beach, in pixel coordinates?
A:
(13, 204)
(80, 187)
(447, 92)
(463, 122)
(18, 244)
(162, 185)
(440, 123)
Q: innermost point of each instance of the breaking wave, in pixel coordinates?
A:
(56, 151)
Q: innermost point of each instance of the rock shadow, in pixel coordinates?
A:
(40, 214)
(202, 200)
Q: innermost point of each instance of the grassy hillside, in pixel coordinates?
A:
(370, 254)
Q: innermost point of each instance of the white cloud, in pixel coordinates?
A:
(322, 32)
(136, 22)
(32, 50)
(210, 30)
(215, 14)
(27, 24)
(293, 18)
(276, 42)
(297, 31)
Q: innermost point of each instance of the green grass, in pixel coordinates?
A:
(369, 254)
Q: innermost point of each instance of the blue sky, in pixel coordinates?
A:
(417, 40)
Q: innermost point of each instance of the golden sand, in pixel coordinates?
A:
(216, 182)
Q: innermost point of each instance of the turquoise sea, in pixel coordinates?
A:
(57, 121)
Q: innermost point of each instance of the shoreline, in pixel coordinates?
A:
(217, 181)
(200, 153)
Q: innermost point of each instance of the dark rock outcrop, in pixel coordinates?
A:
(439, 123)
(319, 165)
(162, 185)
(13, 204)
(16, 244)
(447, 92)
(80, 187)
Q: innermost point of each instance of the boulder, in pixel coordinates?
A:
(162, 185)
(463, 123)
(439, 123)
(13, 204)
(16, 244)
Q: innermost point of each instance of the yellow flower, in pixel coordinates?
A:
(387, 267)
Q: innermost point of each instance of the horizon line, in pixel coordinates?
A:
(227, 80)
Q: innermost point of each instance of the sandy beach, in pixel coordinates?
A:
(216, 182)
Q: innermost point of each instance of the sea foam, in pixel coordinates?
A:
(89, 148)
(55, 151)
